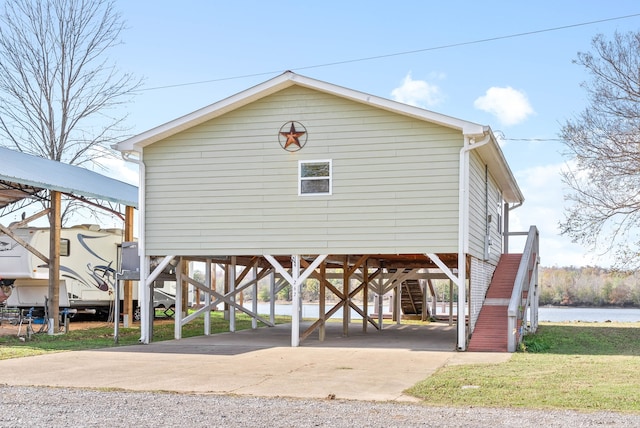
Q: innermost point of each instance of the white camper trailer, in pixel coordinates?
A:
(88, 262)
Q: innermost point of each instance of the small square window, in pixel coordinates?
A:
(314, 178)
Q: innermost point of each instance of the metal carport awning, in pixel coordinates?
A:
(25, 176)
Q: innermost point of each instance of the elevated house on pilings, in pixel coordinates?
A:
(296, 176)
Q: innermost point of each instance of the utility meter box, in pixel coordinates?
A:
(130, 265)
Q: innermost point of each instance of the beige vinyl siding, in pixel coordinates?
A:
(477, 208)
(227, 187)
(483, 201)
(495, 209)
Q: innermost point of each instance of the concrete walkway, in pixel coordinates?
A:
(378, 365)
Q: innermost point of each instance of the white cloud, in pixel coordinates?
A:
(543, 207)
(419, 93)
(509, 105)
(121, 170)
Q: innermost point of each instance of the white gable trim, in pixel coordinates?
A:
(276, 84)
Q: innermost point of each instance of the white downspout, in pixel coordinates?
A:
(463, 232)
(144, 293)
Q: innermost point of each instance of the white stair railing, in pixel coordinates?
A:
(526, 281)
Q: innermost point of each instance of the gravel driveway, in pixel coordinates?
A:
(48, 407)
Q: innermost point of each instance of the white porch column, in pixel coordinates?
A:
(398, 304)
(460, 281)
(462, 307)
(232, 295)
(178, 315)
(381, 298)
(209, 283)
(272, 297)
(295, 279)
(254, 302)
(143, 300)
(145, 290)
(295, 300)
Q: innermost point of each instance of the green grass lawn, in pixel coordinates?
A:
(579, 366)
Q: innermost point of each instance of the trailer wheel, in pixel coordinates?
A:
(136, 314)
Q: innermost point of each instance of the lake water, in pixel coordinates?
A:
(560, 314)
(545, 313)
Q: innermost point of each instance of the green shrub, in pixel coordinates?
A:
(534, 343)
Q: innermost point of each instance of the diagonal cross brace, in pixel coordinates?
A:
(303, 276)
(220, 298)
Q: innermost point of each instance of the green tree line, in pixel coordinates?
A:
(588, 286)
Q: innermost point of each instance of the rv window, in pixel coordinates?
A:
(315, 177)
(64, 247)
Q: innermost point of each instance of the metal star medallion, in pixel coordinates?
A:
(292, 137)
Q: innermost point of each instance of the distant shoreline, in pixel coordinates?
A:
(588, 307)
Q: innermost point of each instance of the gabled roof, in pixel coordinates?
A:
(279, 83)
(492, 155)
(22, 175)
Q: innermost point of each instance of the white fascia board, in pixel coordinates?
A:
(137, 142)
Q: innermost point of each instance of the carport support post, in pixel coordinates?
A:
(55, 224)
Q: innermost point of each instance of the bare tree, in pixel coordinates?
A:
(604, 144)
(59, 93)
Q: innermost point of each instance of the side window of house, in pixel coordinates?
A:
(314, 178)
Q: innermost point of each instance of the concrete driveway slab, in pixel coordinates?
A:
(378, 365)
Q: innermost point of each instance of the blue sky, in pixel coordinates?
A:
(462, 64)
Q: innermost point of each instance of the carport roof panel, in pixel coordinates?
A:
(40, 173)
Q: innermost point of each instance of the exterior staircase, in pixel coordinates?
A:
(411, 298)
(490, 332)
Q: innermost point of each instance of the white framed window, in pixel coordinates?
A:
(314, 177)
